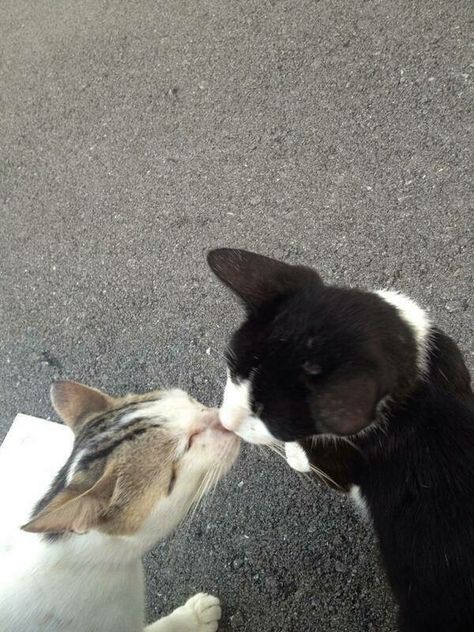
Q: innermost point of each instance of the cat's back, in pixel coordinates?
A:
(425, 524)
(426, 459)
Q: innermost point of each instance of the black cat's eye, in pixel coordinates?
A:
(258, 410)
(312, 368)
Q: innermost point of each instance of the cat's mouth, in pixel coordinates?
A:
(210, 422)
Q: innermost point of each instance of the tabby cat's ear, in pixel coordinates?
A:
(345, 406)
(75, 402)
(74, 511)
(257, 279)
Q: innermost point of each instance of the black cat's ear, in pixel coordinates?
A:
(257, 279)
(345, 406)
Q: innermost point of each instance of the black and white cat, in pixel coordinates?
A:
(312, 361)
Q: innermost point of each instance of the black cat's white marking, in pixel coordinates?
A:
(312, 361)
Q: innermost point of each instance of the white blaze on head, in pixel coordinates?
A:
(236, 414)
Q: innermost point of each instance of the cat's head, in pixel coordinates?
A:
(310, 358)
(137, 464)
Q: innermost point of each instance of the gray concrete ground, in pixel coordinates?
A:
(136, 135)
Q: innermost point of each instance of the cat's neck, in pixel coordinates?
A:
(39, 576)
(98, 548)
(89, 549)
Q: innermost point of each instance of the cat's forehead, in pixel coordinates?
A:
(272, 346)
(118, 417)
(288, 326)
(306, 319)
(155, 408)
(135, 423)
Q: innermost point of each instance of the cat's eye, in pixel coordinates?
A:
(312, 368)
(172, 481)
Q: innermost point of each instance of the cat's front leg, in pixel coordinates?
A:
(201, 613)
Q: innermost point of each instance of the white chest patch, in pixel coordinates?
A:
(296, 457)
(359, 501)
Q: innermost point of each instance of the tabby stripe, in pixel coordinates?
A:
(89, 458)
(109, 419)
(97, 437)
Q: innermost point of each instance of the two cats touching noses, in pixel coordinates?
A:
(310, 361)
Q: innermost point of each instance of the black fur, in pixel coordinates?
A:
(340, 361)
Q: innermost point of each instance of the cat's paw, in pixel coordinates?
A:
(203, 612)
(296, 457)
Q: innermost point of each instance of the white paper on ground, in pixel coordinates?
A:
(31, 454)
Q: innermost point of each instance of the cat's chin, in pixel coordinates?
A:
(250, 429)
(217, 439)
(209, 439)
(214, 429)
(251, 436)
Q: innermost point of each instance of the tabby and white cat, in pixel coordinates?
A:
(313, 360)
(137, 466)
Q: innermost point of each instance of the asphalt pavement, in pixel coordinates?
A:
(135, 136)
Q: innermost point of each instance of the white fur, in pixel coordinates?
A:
(75, 462)
(416, 319)
(94, 582)
(358, 500)
(236, 414)
(174, 405)
(201, 613)
(296, 457)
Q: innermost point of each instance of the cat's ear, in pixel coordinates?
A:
(75, 402)
(345, 406)
(74, 511)
(257, 279)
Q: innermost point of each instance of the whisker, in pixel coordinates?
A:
(215, 482)
(198, 496)
(352, 444)
(325, 478)
(220, 467)
(184, 527)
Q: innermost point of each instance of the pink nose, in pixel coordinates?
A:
(212, 420)
(208, 419)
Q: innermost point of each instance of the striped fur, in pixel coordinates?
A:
(136, 468)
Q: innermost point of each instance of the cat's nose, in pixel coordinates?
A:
(208, 418)
(213, 421)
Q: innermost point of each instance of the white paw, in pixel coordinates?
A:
(203, 612)
(296, 457)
